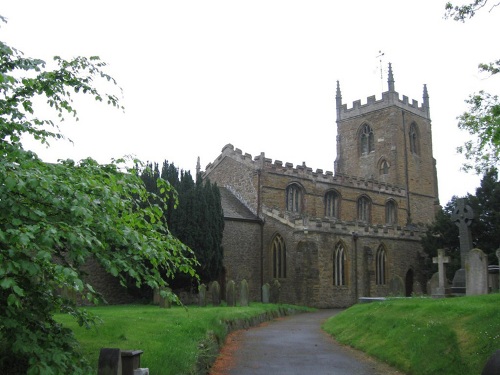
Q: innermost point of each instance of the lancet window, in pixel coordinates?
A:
(294, 198)
(366, 140)
(278, 253)
(332, 204)
(380, 261)
(339, 265)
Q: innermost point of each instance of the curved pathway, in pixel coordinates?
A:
(293, 345)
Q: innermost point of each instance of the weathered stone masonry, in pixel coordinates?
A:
(384, 158)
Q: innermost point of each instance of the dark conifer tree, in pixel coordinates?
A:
(196, 218)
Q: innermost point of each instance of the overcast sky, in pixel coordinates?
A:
(261, 75)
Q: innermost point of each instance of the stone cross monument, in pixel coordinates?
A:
(462, 216)
(441, 260)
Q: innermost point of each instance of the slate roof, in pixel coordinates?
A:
(233, 208)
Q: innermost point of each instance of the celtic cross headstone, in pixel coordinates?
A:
(462, 216)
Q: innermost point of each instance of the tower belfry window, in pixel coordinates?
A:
(366, 140)
(414, 139)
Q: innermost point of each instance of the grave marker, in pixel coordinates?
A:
(476, 268)
(462, 216)
(202, 295)
(110, 362)
(244, 293)
(441, 261)
(265, 293)
(231, 294)
(275, 292)
(215, 293)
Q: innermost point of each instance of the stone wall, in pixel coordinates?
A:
(242, 251)
(106, 284)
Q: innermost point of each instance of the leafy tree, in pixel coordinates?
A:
(482, 121)
(54, 217)
(443, 234)
(485, 228)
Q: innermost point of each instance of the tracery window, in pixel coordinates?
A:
(339, 265)
(366, 140)
(414, 139)
(380, 260)
(391, 212)
(364, 208)
(278, 253)
(332, 204)
(294, 198)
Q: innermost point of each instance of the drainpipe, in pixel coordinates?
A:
(355, 237)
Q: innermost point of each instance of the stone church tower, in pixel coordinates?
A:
(390, 140)
(330, 238)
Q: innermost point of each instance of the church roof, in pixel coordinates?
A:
(233, 208)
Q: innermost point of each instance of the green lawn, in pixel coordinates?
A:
(173, 340)
(424, 335)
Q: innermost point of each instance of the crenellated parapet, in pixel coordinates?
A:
(260, 162)
(339, 227)
(389, 98)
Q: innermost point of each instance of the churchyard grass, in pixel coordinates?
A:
(424, 335)
(172, 339)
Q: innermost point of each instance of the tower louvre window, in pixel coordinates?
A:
(366, 140)
(384, 167)
(414, 139)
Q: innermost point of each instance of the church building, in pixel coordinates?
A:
(330, 238)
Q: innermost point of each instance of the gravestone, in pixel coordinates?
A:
(396, 286)
(202, 295)
(433, 284)
(110, 362)
(476, 268)
(131, 360)
(417, 289)
(165, 302)
(215, 293)
(156, 297)
(231, 294)
(265, 293)
(244, 293)
(275, 292)
(462, 216)
(493, 278)
(441, 261)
